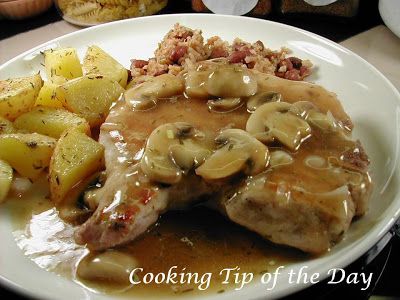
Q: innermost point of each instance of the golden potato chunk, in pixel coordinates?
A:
(6, 176)
(62, 64)
(27, 153)
(18, 95)
(75, 157)
(48, 96)
(91, 97)
(98, 62)
(6, 126)
(50, 121)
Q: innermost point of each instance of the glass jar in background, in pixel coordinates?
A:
(92, 12)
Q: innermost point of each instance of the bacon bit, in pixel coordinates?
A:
(260, 45)
(304, 71)
(293, 75)
(296, 62)
(139, 63)
(161, 72)
(177, 53)
(270, 56)
(287, 63)
(237, 57)
(185, 35)
(218, 52)
(289, 69)
(239, 46)
(251, 65)
(356, 158)
(145, 195)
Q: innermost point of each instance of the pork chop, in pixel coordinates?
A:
(305, 198)
(129, 203)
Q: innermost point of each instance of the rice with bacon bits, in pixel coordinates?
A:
(183, 47)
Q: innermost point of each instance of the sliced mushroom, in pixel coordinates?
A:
(231, 81)
(75, 208)
(211, 64)
(188, 155)
(91, 197)
(280, 158)
(316, 162)
(139, 101)
(309, 112)
(259, 99)
(274, 120)
(303, 109)
(171, 149)
(111, 266)
(144, 96)
(224, 104)
(195, 84)
(324, 122)
(238, 151)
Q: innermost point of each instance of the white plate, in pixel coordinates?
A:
(390, 13)
(369, 98)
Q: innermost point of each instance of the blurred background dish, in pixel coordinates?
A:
(390, 13)
(92, 12)
(21, 9)
(334, 8)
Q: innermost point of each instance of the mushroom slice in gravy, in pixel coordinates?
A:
(238, 151)
(231, 81)
(170, 149)
(275, 121)
(144, 96)
(259, 99)
(220, 80)
(224, 104)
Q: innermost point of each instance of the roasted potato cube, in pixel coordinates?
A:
(62, 64)
(27, 153)
(6, 126)
(75, 157)
(18, 95)
(50, 121)
(6, 176)
(48, 96)
(98, 62)
(90, 97)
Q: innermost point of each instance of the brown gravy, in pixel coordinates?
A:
(199, 240)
